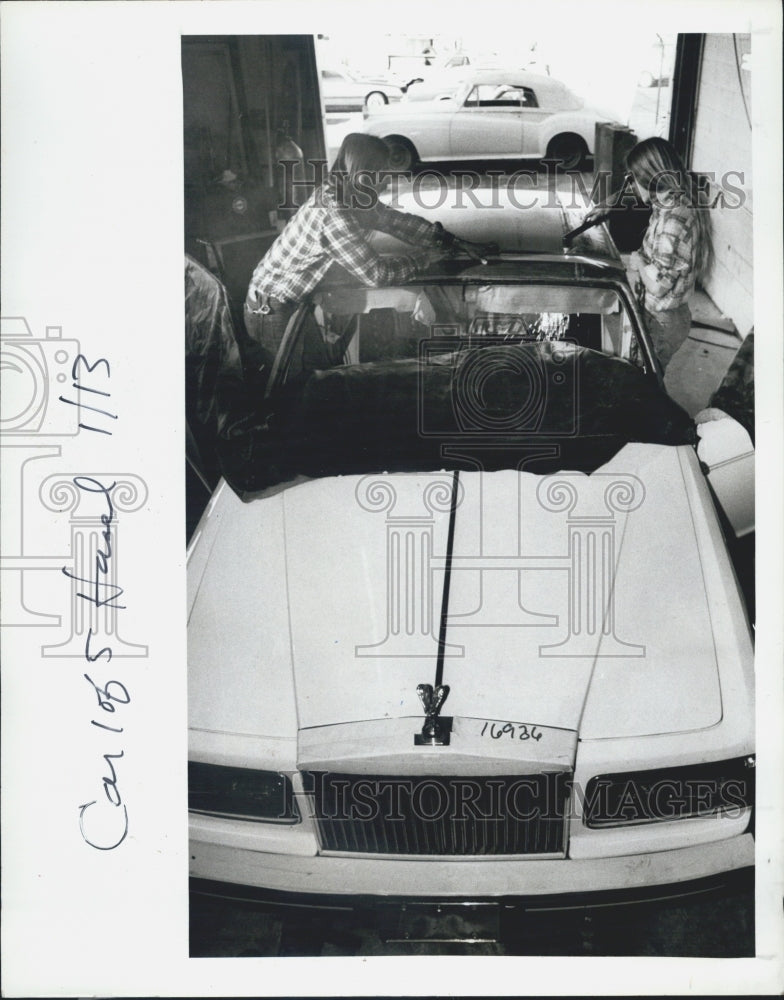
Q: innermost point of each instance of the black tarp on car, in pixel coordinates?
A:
(526, 407)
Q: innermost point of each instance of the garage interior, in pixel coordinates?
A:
(252, 101)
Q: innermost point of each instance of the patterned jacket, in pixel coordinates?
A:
(669, 257)
(324, 231)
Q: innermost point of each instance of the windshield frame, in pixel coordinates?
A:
(649, 365)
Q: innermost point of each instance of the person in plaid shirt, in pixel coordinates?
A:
(677, 248)
(333, 226)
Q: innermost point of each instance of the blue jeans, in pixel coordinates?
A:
(265, 333)
(668, 330)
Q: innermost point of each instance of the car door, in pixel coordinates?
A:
(534, 116)
(488, 123)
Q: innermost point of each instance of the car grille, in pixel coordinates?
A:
(443, 815)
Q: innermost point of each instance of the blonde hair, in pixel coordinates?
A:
(657, 167)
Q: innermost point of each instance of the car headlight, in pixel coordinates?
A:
(671, 793)
(241, 793)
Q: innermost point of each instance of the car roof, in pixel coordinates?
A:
(527, 225)
(549, 91)
(501, 74)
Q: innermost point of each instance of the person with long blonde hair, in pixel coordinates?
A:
(677, 247)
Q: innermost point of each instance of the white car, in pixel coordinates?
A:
(439, 82)
(442, 84)
(494, 114)
(340, 91)
(473, 632)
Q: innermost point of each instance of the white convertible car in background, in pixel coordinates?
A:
(495, 654)
(341, 91)
(493, 114)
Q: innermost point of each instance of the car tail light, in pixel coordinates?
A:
(240, 793)
(671, 793)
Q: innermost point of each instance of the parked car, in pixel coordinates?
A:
(472, 633)
(495, 114)
(443, 83)
(439, 82)
(341, 91)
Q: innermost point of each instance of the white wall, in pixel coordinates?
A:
(722, 142)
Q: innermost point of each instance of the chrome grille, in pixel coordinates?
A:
(443, 815)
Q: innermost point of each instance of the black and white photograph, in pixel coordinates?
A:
(471, 391)
(403, 588)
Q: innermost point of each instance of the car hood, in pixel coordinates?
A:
(574, 601)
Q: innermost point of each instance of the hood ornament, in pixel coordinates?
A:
(436, 731)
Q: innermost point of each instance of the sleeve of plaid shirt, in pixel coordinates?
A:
(345, 239)
(409, 228)
(672, 256)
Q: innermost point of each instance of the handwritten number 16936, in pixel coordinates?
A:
(90, 371)
(512, 730)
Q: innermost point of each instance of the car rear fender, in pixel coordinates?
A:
(578, 122)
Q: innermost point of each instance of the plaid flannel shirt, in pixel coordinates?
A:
(323, 232)
(669, 256)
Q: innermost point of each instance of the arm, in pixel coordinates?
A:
(412, 229)
(351, 249)
(408, 228)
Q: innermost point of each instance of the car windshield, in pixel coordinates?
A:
(454, 374)
(351, 326)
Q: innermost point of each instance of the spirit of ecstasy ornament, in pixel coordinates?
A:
(435, 731)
